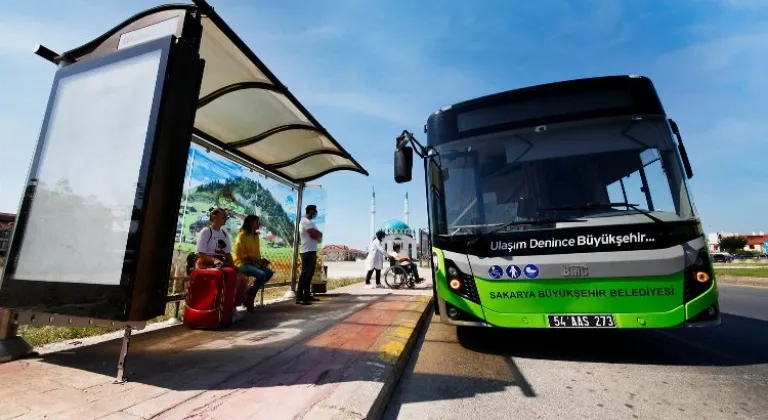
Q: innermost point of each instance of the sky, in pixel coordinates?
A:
(367, 70)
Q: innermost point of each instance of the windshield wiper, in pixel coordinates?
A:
(544, 221)
(590, 206)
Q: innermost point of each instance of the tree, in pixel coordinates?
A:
(733, 243)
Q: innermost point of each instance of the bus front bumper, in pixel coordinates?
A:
(703, 311)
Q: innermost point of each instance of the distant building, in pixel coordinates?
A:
(399, 233)
(713, 241)
(6, 227)
(756, 242)
(342, 253)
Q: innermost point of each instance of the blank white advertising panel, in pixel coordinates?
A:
(78, 222)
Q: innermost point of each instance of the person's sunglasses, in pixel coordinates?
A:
(215, 211)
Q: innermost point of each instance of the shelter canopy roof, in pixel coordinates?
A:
(242, 107)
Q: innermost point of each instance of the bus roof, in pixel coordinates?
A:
(559, 87)
(551, 103)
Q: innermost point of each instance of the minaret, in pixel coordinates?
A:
(407, 221)
(373, 212)
(407, 211)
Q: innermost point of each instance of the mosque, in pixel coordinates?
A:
(398, 231)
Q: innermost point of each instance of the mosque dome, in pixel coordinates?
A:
(396, 227)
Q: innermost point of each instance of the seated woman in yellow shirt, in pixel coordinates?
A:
(247, 256)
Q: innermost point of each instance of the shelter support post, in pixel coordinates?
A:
(296, 238)
(12, 346)
(178, 287)
(176, 308)
(123, 355)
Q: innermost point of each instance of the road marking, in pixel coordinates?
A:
(748, 286)
(391, 351)
(378, 365)
(403, 332)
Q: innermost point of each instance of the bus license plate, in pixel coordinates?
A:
(581, 321)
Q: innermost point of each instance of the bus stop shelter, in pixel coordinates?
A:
(240, 110)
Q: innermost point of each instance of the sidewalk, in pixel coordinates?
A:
(342, 269)
(334, 359)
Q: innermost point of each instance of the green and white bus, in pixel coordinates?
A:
(563, 205)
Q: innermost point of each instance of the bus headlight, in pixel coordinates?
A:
(461, 283)
(698, 277)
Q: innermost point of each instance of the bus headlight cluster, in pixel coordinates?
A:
(454, 279)
(461, 283)
(698, 276)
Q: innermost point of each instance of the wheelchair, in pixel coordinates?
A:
(397, 276)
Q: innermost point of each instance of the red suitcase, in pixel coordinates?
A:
(210, 298)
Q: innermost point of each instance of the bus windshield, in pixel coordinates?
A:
(562, 171)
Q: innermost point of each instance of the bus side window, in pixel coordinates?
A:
(631, 188)
(660, 184)
(437, 204)
(616, 192)
(439, 224)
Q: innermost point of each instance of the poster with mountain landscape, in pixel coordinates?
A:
(213, 180)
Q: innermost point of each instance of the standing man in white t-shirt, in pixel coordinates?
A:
(310, 237)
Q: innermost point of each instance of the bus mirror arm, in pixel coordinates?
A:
(407, 137)
(681, 148)
(404, 155)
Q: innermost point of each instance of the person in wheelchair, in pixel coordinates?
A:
(406, 262)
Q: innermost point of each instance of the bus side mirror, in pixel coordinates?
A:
(686, 162)
(681, 148)
(403, 164)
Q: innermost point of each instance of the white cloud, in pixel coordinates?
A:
(323, 31)
(737, 132)
(748, 4)
(375, 104)
(720, 78)
(733, 208)
(716, 90)
(722, 54)
(20, 34)
(17, 145)
(726, 149)
(358, 62)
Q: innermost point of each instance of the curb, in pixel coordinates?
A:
(372, 380)
(743, 281)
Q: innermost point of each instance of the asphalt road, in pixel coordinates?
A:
(713, 373)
